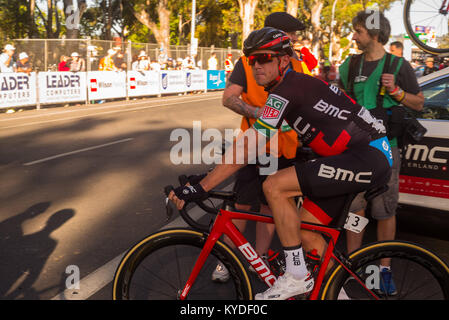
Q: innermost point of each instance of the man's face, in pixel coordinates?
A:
(264, 73)
(362, 37)
(395, 51)
(10, 52)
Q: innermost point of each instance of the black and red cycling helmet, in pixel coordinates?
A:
(267, 38)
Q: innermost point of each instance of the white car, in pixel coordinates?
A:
(424, 178)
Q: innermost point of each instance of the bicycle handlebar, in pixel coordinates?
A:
(214, 194)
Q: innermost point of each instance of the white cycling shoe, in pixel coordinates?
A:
(287, 286)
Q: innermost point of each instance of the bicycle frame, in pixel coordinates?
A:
(223, 225)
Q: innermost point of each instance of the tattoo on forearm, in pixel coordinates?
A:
(237, 105)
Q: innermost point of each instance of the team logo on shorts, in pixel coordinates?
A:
(274, 107)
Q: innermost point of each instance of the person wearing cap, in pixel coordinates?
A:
(77, 64)
(142, 63)
(430, 66)
(229, 66)
(107, 62)
(290, 25)
(244, 96)
(348, 142)
(7, 63)
(24, 65)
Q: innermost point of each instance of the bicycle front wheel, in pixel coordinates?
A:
(416, 274)
(427, 24)
(157, 268)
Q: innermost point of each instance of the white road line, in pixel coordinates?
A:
(104, 113)
(76, 151)
(111, 105)
(97, 280)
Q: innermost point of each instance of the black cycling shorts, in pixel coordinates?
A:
(326, 182)
(248, 183)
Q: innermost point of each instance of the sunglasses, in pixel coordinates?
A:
(262, 58)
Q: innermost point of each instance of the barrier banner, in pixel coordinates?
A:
(143, 83)
(216, 79)
(106, 85)
(196, 80)
(172, 81)
(60, 87)
(17, 89)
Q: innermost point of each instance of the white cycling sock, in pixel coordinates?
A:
(294, 262)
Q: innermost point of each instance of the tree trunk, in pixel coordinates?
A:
(162, 33)
(292, 7)
(316, 27)
(247, 8)
(73, 17)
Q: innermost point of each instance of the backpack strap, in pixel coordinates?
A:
(354, 65)
(382, 90)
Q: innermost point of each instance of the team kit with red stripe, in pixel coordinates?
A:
(354, 153)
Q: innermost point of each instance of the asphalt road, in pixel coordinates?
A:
(80, 185)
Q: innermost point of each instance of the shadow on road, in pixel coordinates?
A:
(22, 256)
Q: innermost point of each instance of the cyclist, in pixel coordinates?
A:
(355, 154)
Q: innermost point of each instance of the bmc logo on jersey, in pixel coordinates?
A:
(274, 107)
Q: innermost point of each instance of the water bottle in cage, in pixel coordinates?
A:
(276, 260)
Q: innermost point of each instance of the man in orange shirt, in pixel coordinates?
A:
(245, 97)
(107, 63)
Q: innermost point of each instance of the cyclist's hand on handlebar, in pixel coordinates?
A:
(187, 193)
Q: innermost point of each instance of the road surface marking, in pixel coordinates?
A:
(76, 151)
(104, 113)
(98, 279)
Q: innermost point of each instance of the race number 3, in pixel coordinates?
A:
(355, 223)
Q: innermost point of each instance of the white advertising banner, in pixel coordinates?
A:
(60, 87)
(196, 80)
(172, 81)
(143, 83)
(17, 89)
(106, 85)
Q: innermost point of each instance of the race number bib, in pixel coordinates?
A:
(355, 223)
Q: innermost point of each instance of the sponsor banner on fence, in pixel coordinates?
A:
(143, 83)
(216, 79)
(17, 89)
(196, 80)
(61, 87)
(172, 81)
(106, 85)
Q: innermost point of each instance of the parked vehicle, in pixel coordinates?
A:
(424, 179)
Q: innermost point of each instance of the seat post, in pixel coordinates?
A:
(345, 211)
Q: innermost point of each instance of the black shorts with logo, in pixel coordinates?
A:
(326, 182)
(248, 183)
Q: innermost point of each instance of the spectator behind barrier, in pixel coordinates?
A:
(142, 63)
(7, 63)
(78, 64)
(107, 62)
(63, 64)
(212, 63)
(24, 65)
(119, 61)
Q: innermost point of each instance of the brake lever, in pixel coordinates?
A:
(168, 204)
(168, 209)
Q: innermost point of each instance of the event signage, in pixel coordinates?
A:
(61, 87)
(17, 89)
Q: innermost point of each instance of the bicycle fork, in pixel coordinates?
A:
(225, 226)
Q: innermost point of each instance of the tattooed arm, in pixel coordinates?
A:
(231, 100)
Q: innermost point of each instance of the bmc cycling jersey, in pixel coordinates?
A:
(325, 118)
(355, 153)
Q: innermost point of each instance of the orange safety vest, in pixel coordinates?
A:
(255, 95)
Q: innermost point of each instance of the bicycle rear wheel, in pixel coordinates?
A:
(427, 24)
(417, 274)
(157, 268)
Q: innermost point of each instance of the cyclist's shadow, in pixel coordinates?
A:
(22, 257)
